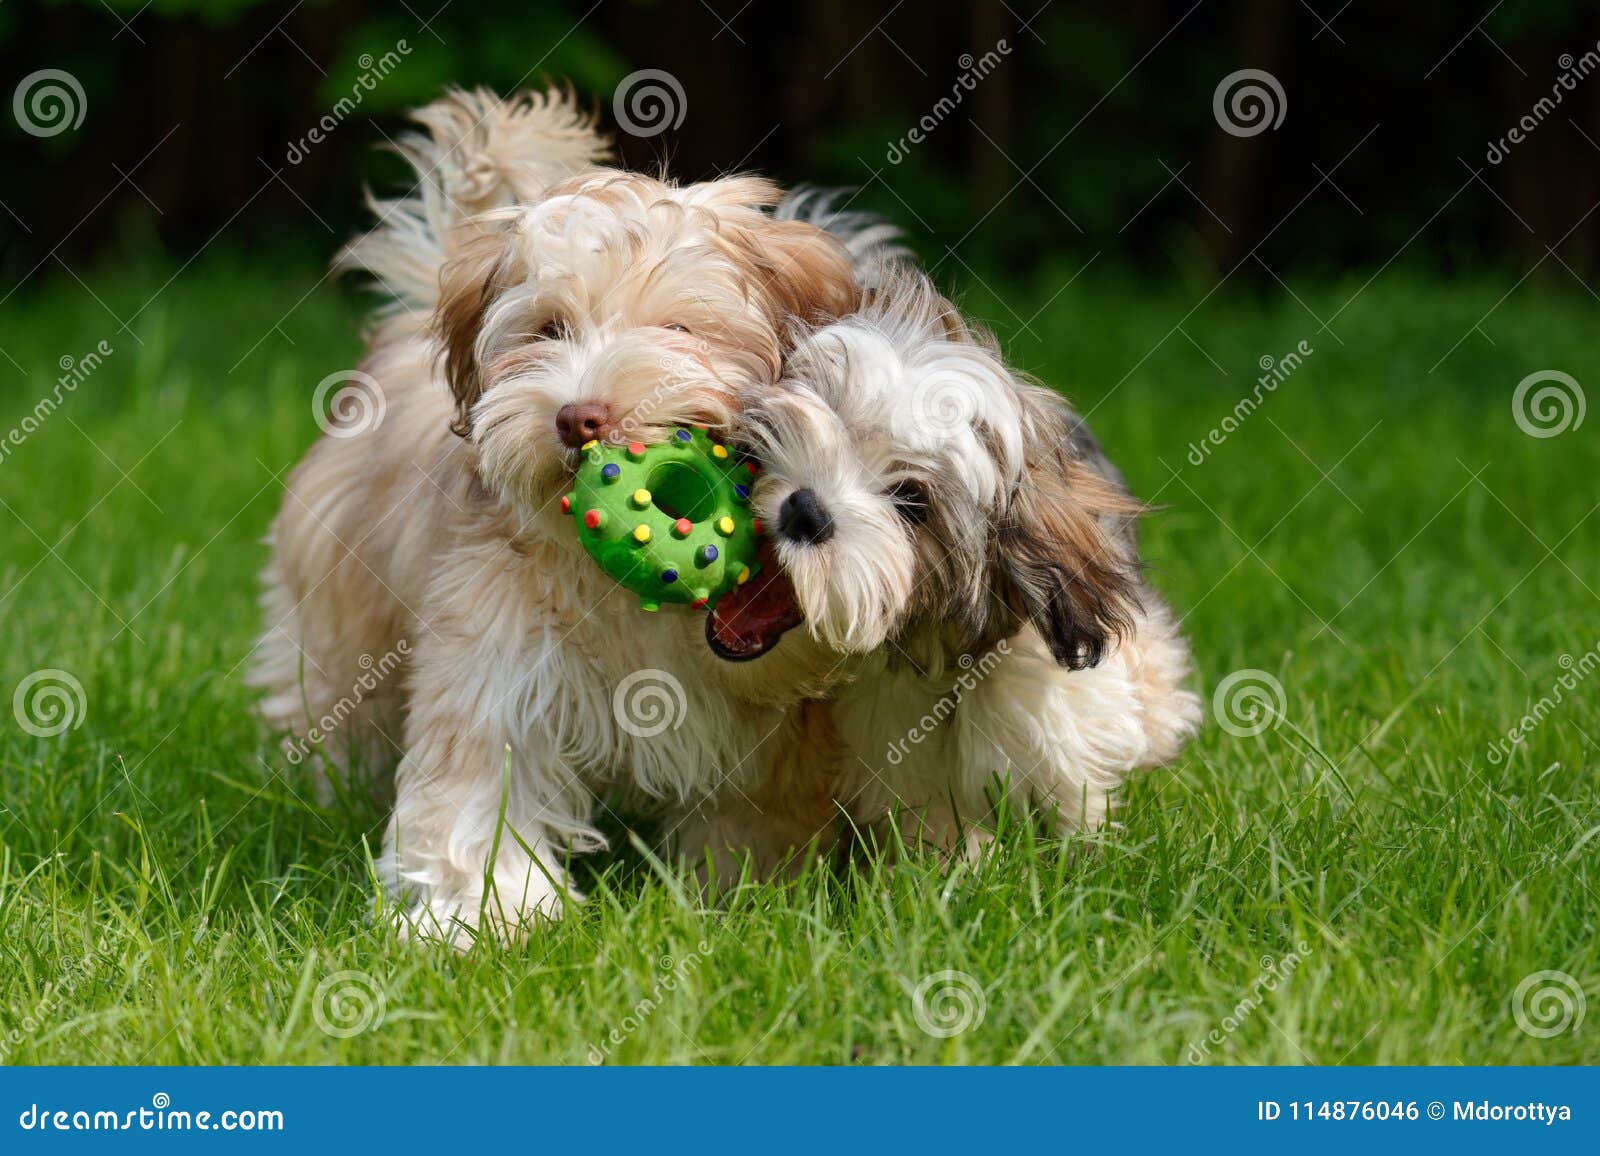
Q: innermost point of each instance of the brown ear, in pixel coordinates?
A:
(468, 285)
(803, 271)
(1060, 564)
(810, 276)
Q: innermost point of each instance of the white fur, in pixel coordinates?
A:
(932, 716)
(518, 642)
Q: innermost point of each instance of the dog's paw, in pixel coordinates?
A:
(461, 920)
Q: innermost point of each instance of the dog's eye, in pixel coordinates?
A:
(676, 328)
(552, 330)
(910, 501)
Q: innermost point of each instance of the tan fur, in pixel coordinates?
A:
(792, 806)
(519, 647)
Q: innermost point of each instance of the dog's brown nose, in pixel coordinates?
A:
(580, 424)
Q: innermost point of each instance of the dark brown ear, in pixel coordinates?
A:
(1059, 563)
(468, 285)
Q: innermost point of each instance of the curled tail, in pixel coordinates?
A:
(475, 152)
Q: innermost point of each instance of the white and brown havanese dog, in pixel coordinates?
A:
(952, 533)
(539, 302)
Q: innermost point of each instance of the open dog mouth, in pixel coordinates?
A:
(749, 620)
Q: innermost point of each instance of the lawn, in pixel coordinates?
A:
(1368, 878)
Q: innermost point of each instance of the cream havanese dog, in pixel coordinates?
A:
(539, 301)
(953, 535)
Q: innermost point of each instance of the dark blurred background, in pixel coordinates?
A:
(1084, 129)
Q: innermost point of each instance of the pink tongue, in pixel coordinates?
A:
(748, 620)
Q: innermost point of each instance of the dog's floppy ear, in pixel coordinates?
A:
(803, 270)
(468, 286)
(1058, 561)
(806, 271)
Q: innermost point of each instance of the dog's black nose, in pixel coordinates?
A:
(802, 518)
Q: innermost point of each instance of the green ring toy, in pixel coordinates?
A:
(670, 522)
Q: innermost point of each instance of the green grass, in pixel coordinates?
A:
(1413, 605)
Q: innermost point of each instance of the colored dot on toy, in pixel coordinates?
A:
(651, 606)
(756, 527)
(752, 467)
(589, 445)
(648, 521)
(719, 451)
(744, 576)
(566, 504)
(741, 492)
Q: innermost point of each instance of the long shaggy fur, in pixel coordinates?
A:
(476, 152)
(981, 588)
(526, 279)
